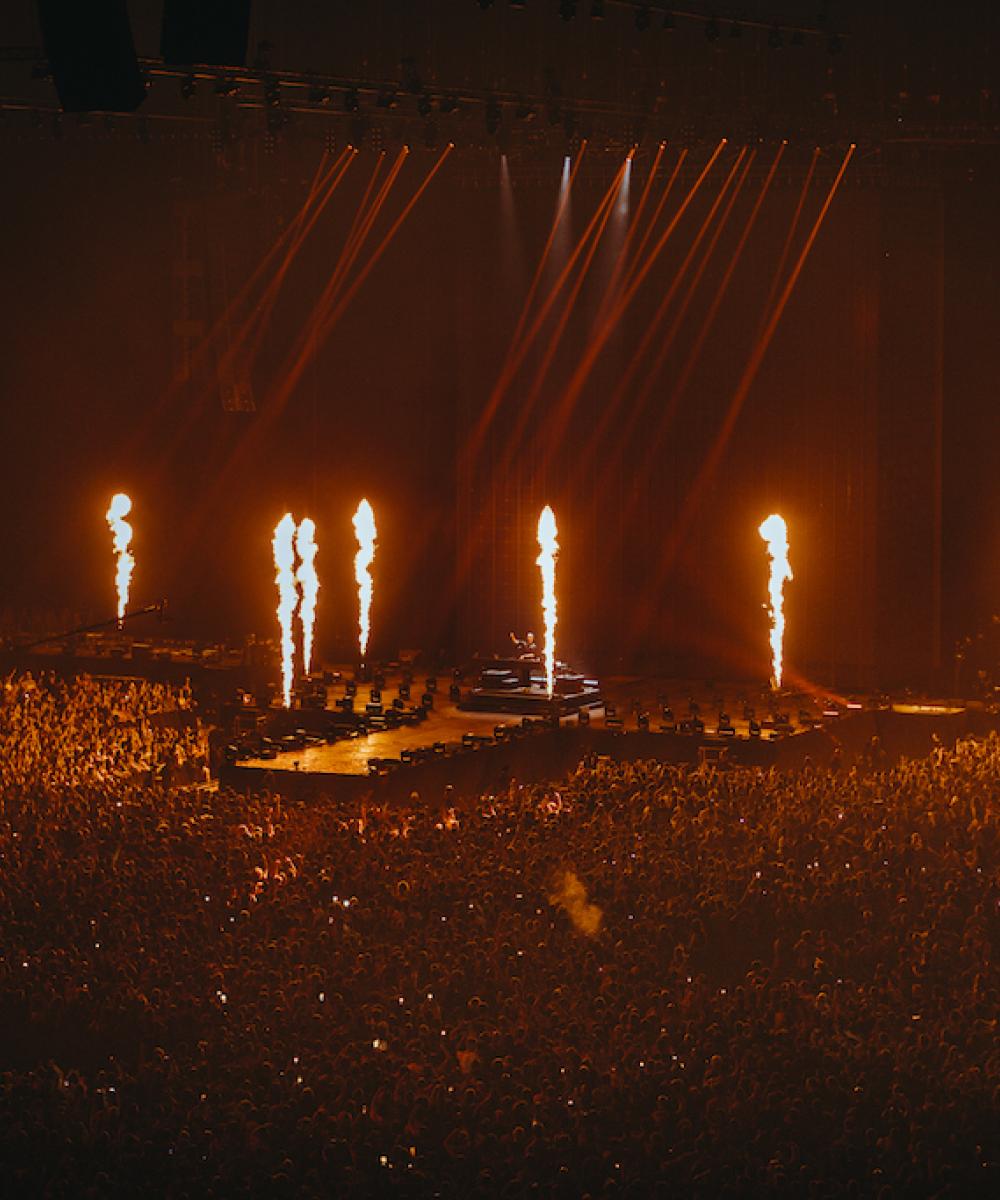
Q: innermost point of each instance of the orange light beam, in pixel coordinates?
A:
(602, 333)
(517, 358)
(546, 250)
(610, 410)
(266, 304)
(648, 232)
(619, 267)
(786, 248)
(746, 382)
(653, 328)
(696, 346)
(364, 221)
(465, 554)
(319, 180)
(667, 342)
(256, 322)
(356, 234)
(236, 343)
(555, 337)
(381, 248)
(223, 319)
(267, 417)
(654, 443)
(312, 335)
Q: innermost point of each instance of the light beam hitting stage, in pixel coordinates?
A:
(118, 510)
(548, 549)
(366, 533)
(308, 581)
(283, 543)
(774, 531)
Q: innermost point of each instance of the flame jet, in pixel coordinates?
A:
(283, 544)
(118, 510)
(308, 581)
(546, 560)
(366, 533)
(774, 531)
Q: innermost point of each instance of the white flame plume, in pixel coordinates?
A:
(118, 510)
(308, 580)
(366, 533)
(546, 560)
(283, 543)
(774, 531)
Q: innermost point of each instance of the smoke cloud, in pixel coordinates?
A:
(570, 895)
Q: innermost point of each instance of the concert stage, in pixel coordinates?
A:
(518, 685)
(474, 753)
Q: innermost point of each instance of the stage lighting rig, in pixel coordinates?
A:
(642, 18)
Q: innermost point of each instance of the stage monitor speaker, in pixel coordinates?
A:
(213, 32)
(91, 55)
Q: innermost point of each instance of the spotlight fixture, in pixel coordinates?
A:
(796, 39)
(272, 93)
(188, 87)
(493, 116)
(712, 29)
(567, 9)
(597, 10)
(424, 105)
(226, 87)
(669, 24)
(351, 102)
(642, 18)
(525, 111)
(319, 95)
(834, 45)
(736, 30)
(774, 38)
(448, 104)
(485, 4)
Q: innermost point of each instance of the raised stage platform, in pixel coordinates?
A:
(473, 753)
(518, 685)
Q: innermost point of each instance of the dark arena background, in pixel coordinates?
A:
(693, 890)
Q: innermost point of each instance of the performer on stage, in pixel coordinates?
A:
(525, 647)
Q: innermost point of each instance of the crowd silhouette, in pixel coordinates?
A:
(640, 980)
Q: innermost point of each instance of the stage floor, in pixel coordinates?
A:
(625, 695)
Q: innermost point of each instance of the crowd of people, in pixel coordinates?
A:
(57, 734)
(640, 980)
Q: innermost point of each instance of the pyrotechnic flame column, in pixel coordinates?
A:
(366, 533)
(308, 581)
(774, 531)
(118, 510)
(283, 544)
(546, 561)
